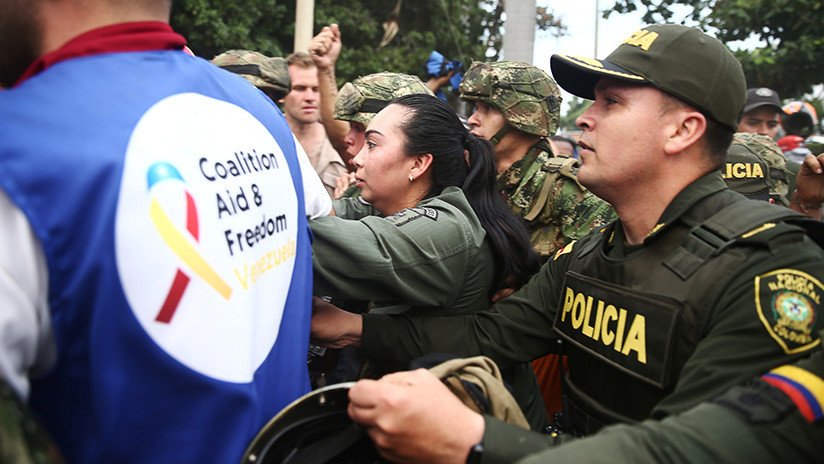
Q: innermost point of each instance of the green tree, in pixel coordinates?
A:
(792, 60)
(463, 30)
(213, 27)
(576, 107)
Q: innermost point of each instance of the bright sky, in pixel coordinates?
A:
(579, 16)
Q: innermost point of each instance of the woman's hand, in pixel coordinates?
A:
(333, 327)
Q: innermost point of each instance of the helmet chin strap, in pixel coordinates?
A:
(500, 134)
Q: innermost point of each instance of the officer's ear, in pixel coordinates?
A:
(685, 129)
(422, 164)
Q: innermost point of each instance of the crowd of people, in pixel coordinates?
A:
(180, 235)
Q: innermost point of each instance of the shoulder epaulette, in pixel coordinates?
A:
(726, 227)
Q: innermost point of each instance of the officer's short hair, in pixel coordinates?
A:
(300, 59)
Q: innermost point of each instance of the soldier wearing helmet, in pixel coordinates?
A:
(358, 101)
(755, 168)
(271, 75)
(517, 108)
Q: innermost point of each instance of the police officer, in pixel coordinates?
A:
(762, 113)
(516, 109)
(358, 102)
(691, 291)
(436, 236)
(776, 417)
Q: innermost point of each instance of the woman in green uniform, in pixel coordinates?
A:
(435, 236)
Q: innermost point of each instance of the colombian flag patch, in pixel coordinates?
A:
(804, 388)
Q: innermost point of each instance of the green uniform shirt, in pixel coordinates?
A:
(430, 258)
(738, 341)
(567, 210)
(753, 423)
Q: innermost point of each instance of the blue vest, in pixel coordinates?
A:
(167, 197)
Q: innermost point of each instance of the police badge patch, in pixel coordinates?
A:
(786, 301)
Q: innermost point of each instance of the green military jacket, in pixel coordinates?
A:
(556, 212)
(432, 258)
(753, 312)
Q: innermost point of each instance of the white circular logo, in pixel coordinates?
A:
(205, 234)
(764, 92)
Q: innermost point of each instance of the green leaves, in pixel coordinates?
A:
(462, 30)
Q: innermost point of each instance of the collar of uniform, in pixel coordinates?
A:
(702, 187)
(124, 37)
(522, 171)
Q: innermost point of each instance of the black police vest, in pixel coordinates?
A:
(630, 325)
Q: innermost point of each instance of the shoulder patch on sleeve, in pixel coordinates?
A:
(787, 301)
(804, 388)
(410, 214)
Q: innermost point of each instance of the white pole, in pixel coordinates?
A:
(304, 21)
(597, 12)
(519, 37)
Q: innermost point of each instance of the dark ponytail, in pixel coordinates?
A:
(433, 127)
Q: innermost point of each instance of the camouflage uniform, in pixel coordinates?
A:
(763, 148)
(22, 439)
(271, 75)
(529, 99)
(557, 212)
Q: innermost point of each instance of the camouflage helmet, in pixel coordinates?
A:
(528, 98)
(755, 163)
(271, 75)
(359, 100)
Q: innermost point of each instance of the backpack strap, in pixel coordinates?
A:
(723, 229)
(556, 166)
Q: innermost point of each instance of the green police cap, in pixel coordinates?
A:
(271, 75)
(679, 60)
